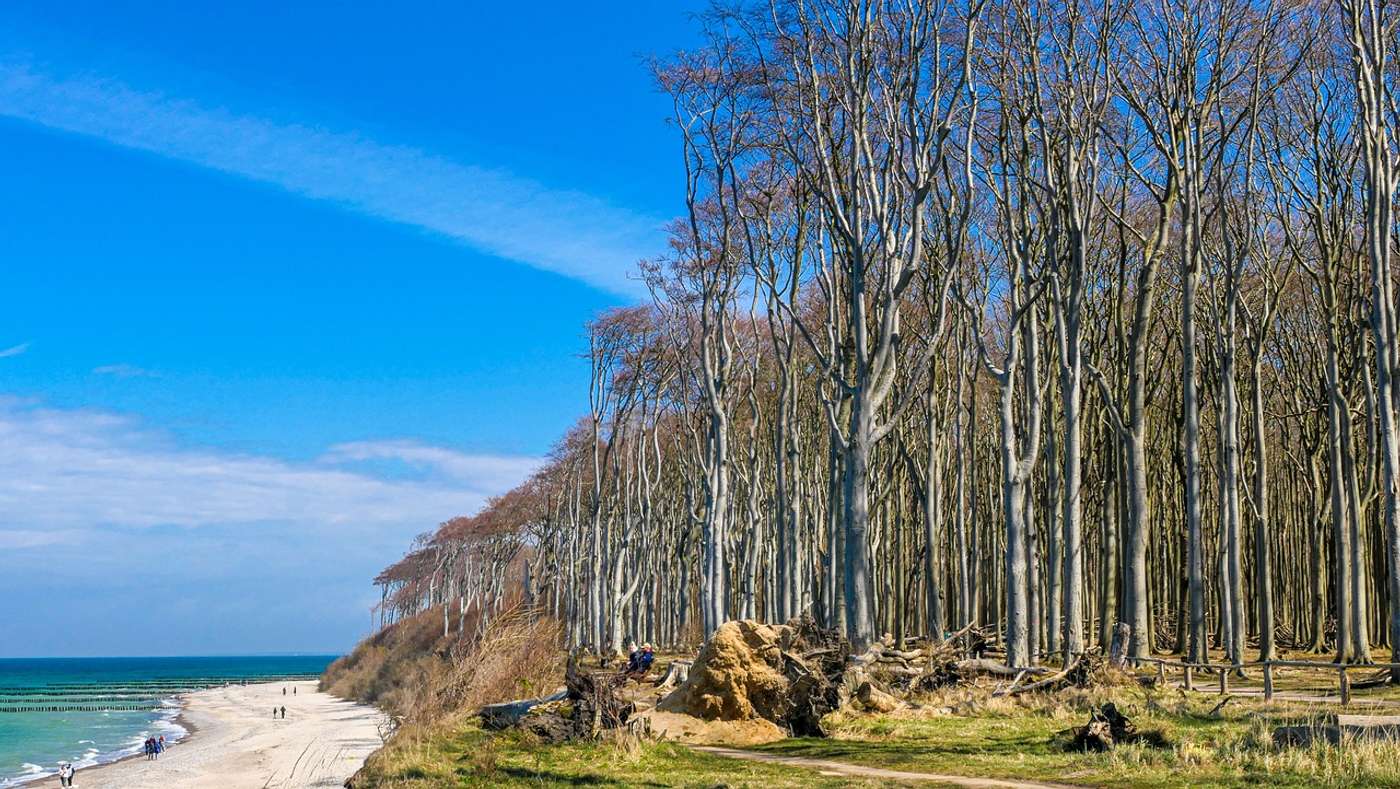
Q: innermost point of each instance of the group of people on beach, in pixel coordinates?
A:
(153, 747)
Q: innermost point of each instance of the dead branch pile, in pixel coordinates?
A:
(960, 659)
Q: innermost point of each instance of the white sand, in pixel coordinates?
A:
(236, 743)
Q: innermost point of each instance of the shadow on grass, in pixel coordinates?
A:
(568, 779)
(905, 750)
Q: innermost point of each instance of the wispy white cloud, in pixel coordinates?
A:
(495, 471)
(64, 472)
(15, 539)
(504, 214)
(123, 370)
(14, 350)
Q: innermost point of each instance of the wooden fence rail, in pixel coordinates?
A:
(1223, 670)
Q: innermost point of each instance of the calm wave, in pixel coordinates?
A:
(95, 710)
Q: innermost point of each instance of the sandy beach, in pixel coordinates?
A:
(237, 743)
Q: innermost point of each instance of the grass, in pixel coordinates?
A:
(460, 754)
(1024, 739)
(960, 731)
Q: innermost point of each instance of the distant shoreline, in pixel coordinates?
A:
(232, 741)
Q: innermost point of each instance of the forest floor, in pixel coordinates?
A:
(1015, 742)
(954, 737)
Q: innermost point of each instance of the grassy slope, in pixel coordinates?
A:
(393, 666)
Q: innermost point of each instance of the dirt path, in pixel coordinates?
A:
(859, 771)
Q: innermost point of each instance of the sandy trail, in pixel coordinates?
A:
(237, 743)
(860, 771)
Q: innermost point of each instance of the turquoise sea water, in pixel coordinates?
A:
(108, 706)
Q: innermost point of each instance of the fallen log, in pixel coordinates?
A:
(495, 717)
(1337, 729)
(1057, 677)
(873, 653)
(898, 654)
(971, 666)
(874, 699)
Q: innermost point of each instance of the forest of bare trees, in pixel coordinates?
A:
(1038, 315)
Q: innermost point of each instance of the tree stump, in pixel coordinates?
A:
(1118, 649)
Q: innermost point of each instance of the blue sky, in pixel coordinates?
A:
(285, 286)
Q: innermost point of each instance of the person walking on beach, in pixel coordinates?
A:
(160, 744)
(284, 691)
(274, 713)
(150, 748)
(284, 713)
(65, 774)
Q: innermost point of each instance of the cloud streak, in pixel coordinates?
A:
(14, 350)
(497, 472)
(123, 370)
(64, 472)
(490, 209)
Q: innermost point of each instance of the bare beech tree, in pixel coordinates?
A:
(911, 230)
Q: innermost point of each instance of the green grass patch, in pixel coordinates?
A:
(962, 733)
(462, 755)
(1026, 740)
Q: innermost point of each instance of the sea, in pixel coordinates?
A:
(91, 711)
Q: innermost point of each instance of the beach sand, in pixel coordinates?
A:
(236, 743)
